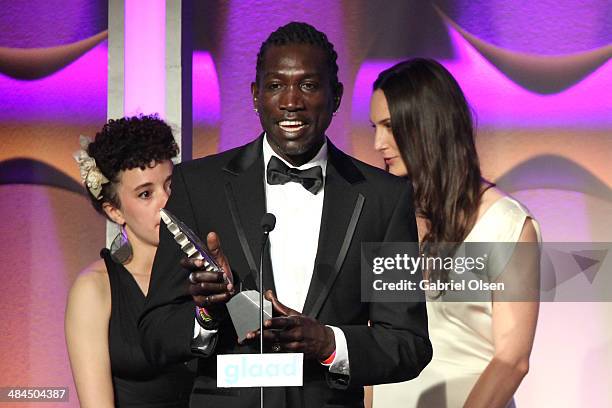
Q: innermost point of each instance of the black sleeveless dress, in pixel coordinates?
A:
(136, 382)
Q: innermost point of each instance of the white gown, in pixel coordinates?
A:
(460, 332)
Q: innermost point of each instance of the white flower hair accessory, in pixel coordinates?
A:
(90, 173)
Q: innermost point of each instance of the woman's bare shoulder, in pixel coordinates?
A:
(490, 197)
(92, 282)
(88, 312)
(493, 194)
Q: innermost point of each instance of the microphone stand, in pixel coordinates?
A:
(261, 296)
(267, 223)
(261, 310)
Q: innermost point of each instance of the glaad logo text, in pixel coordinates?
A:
(247, 368)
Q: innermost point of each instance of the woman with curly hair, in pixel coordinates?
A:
(126, 171)
(481, 346)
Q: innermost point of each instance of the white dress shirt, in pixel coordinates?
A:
(295, 240)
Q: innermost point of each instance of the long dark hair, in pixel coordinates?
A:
(432, 126)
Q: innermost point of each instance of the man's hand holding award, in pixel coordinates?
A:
(211, 287)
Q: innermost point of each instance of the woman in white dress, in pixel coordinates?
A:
(481, 349)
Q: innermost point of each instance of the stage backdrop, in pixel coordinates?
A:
(537, 74)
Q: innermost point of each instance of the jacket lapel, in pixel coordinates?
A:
(342, 207)
(245, 194)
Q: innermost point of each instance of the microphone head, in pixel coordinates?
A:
(268, 222)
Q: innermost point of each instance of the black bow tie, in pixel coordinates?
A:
(279, 173)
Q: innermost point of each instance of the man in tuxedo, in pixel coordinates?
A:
(326, 204)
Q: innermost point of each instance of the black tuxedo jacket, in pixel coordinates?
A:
(225, 193)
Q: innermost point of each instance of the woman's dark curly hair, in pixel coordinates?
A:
(127, 143)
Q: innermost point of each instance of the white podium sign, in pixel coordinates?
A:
(260, 370)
